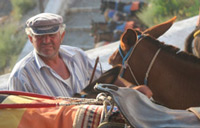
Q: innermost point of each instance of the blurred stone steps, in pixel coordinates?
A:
(82, 9)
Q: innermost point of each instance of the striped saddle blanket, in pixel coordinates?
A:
(27, 110)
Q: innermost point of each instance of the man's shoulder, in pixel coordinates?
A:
(27, 59)
(24, 62)
(71, 50)
(69, 47)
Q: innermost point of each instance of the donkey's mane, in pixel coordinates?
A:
(175, 51)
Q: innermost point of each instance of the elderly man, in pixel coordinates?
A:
(51, 68)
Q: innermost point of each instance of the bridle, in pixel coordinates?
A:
(126, 58)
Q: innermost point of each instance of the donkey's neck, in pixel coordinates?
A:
(173, 80)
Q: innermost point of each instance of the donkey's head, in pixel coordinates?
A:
(127, 41)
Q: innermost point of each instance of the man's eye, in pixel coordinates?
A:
(52, 35)
(38, 37)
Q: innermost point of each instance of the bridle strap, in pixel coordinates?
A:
(148, 70)
(125, 63)
(124, 58)
(132, 73)
(94, 69)
(150, 66)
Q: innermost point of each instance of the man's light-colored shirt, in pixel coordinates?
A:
(31, 74)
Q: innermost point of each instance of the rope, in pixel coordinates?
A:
(126, 56)
(20, 93)
(72, 101)
(150, 66)
(107, 100)
(46, 105)
(125, 63)
(124, 59)
(132, 74)
(107, 112)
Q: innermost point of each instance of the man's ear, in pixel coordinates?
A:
(30, 38)
(62, 36)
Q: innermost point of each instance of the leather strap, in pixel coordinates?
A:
(94, 69)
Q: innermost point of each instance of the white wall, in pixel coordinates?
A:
(179, 31)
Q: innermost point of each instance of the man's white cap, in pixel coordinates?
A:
(44, 23)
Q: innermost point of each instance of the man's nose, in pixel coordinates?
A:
(46, 39)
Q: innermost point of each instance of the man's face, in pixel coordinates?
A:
(47, 45)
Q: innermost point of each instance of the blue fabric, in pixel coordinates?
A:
(121, 27)
(127, 9)
(111, 13)
(41, 31)
(114, 109)
(124, 58)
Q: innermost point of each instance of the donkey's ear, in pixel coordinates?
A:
(128, 39)
(158, 30)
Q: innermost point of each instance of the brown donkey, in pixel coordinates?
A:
(172, 75)
(111, 75)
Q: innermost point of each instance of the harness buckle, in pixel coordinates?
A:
(125, 65)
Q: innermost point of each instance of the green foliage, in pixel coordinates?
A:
(11, 44)
(20, 7)
(12, 36)
(162, 10)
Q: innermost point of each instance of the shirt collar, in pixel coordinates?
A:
(40, 63)
(67, 52)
